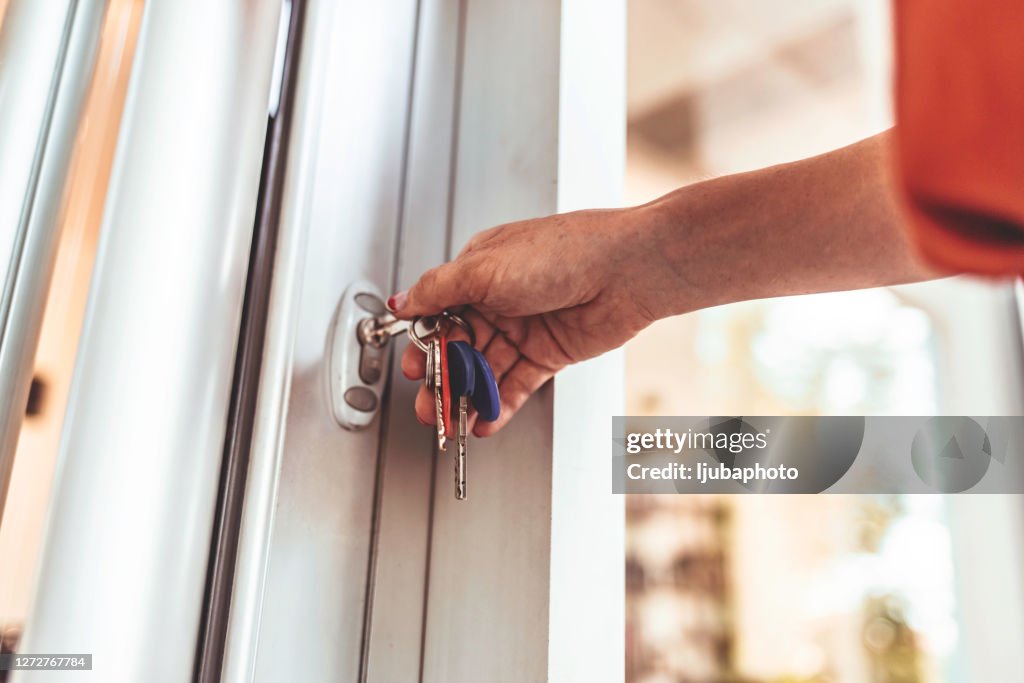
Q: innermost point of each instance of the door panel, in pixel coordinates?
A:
(408, 458)
(360, 59)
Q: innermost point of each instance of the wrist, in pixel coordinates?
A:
(662, 276)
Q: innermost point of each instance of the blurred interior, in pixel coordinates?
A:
(798, 588)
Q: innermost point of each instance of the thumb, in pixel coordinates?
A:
(450, 284)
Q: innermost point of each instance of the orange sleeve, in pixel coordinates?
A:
(960, 131)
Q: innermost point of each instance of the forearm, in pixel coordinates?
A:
(823, 224)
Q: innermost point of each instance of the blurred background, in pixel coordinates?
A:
(805, 588)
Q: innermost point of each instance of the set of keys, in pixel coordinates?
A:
(456, 370)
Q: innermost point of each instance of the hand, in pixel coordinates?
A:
(540, 294)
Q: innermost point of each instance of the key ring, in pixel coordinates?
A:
(416, 338)
(458, 320)
(432, 325)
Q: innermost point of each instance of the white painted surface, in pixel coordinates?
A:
(402, 532)
(526, 578)
(124, 565)
(245, 612)
(587, 612)
(350, 132)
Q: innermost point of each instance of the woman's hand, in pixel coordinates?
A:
(540, 294)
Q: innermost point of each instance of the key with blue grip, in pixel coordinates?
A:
(485, 390)
(471, 379)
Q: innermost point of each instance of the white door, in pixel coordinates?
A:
(244, 534)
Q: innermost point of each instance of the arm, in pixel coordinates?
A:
(548, 292)
(823, 224)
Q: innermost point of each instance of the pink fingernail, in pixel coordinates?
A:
(398, 301)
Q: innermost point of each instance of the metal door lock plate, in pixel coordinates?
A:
(357, 363)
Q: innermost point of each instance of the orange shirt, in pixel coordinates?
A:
(960, 131)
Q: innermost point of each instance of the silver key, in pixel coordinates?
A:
(460, 457)
(432, 378)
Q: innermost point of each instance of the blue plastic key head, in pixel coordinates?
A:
(461, 368)
(485, 394)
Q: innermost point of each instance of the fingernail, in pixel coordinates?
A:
(398, 301)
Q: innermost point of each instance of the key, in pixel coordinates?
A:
(462, 377)
(485, 389)
(456, 369)
(434, 379)
(446, 389)
(442, 419)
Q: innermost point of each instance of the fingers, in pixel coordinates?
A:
(521, 382)
(502, 355)
(482, 328)
(456, 283)
(414, 362)
(426, 413)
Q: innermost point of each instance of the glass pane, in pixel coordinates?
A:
(21, 530)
